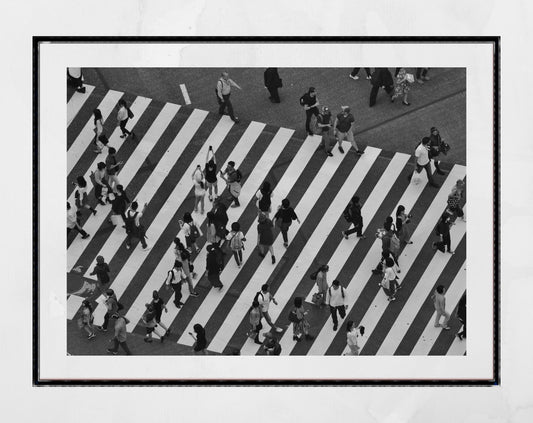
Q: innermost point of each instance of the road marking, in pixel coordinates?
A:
(76, 102)
(185, 94)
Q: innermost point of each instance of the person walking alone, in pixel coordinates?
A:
(264, 297)
(119, 205)
(81, 196)
(354, 337)
(435, 147)
(100, 183)
(123, 116)
(101, 270)
(389, 283)
(423, 161)
(100, 140)
(112, 306)
(174, 280)
(112, 168)
(310, 103)
(284, 217)
(265, 237)
(439, 301)
(343, 129)
(214, 265)
(443, 230)
(134, 228)
(352, 214)
(210, 173)
(264, 199)
(336, 300)
(120, 335)
(73, 223)
(86, 319)
(403, 221)
(159, 305)
(380, 78)
(402, 87)
(150, 323)
(322, 284)
(236, 242)
(255, 315)
(300, 325)
(200, 341)
(223, 92)
(233, 178)
(456, 200)
(272, 83)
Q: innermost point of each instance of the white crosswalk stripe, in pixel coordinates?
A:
(137, 276)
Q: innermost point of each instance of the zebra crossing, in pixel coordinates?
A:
(176, 139)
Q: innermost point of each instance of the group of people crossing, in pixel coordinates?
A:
(223, 237)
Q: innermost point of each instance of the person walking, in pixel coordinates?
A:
(284, 217)
(402, 87)
(456, 200)
(380, 78)
(272, 83)
(422, 75)
(100, 139)
(443, 231)
(435, 147)
(323, 123)
(390, 245)
(461, 315)
(300, 325)
(112, 306)
(119, 205)
(355, 71)
(80, 195)
(150, 324)
(214, 266)
(199, 196)
(264, 297)
(85, 321)
(343, 129)
(159, 305)
(389, 283)
(236, 242)
(322, 284)
(254, 315)
(200, 341)
(101, 186)
(211, 229)
(191, 230)
(233, 178)
(354, 338)
(439, 301)
(336, 299)
(223, 92)
(310, 103)
(112, 168)
(403, 221)
(352, 214)
(423, 161)
(123, 116)
(73, 222)
(271, 344)
(101, 270)
(210, 173)
(264, 199)
(265, 238)
(221, 220)
(183, 256)
(134, 228)
(120, 335)
(174, 280)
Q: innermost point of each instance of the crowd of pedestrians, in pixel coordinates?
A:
(221, 239)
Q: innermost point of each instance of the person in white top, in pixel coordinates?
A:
(134, 228)
(336, 301)
(199, 189)
(354, 338)
(223, 91)
(124, 114)
(423, 161)
(264, 297)
(72, 221)
(100, 140)
(389, 282)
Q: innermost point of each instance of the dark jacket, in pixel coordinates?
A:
(272, 79)
(266, 234)
(461, 308)
(215, 261)
(382, 78)
(120, 204)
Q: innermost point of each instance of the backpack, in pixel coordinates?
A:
(238, 175)
(130, 222)
(293, 317)
(394, 246)
(342, 292)
(194, 233)
(256, 298)
(302, 100)
(314, 275)
(130, 113)
(235, 242)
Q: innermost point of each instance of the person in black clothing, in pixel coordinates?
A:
(221, 220)
(380, 78)
(310, 103)
(174, 280)
(355, 71)
(81, 196)
(214, 265)
(461, 315)
(159, 306)
(435, 142)
(272, 83)
(200, 343)
(120, 203)
(443, 230)
(352, 214)
(210, 172)
(323, 123)
(285, 215)
(101, 270)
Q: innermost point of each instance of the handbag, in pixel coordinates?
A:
(416, 178)
(116, 219)
(317, 298)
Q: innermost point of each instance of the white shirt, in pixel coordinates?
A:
(198, 190)
(131, 212)
(422, 155)
(389, 276)
(335, 296)
(71, 217)
(264, 300)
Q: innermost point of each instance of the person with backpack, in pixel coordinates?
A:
(265, 237)
(300, 325)
(119, 205)
(101, 270)
(223, 92)
(343, 129)
(174, 280)
(134, 228)
(233, 178)
(183, 256)
(283, 218)
(86, 319)
(443, 231)
(336, 299)
(210, 173)
(254, 315)
(236, 242)
(123, 116)
(402, 225)
(264, 199)
(354, 337)
(352, 214)
(310, 103)
(390, 283)
(73, 222)
(112, 305)
(321, 284)
(159, 305)
(191, 230)
(149, 321)
(214, 265)
(271, 344)
(81, 196)
(323, 124)
(264, 297)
